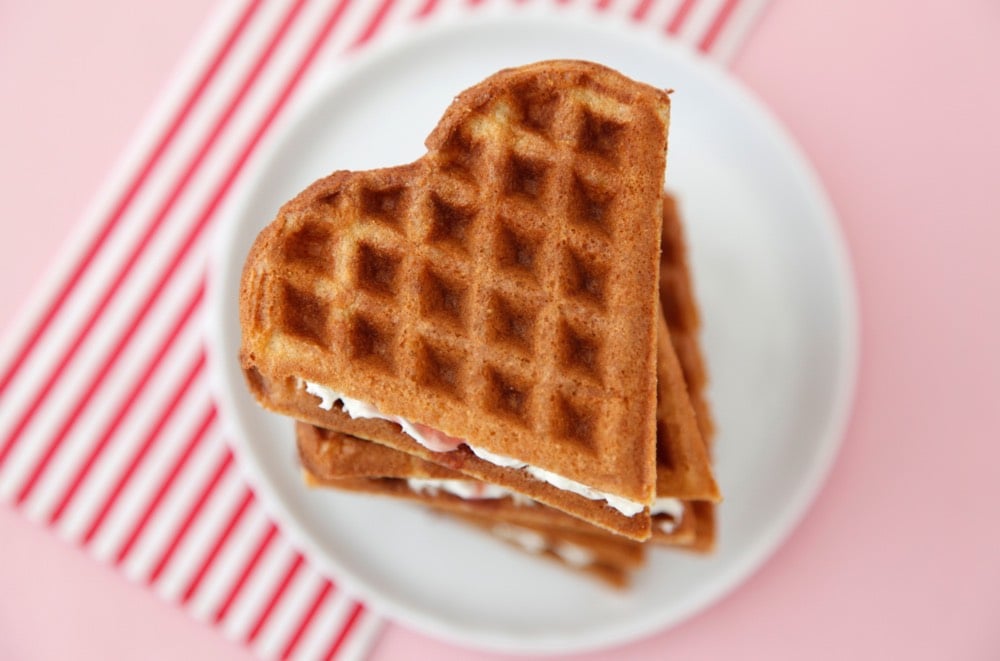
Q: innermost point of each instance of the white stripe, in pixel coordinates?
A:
(164, 523)
(124, 240)
(153, 468)
(190, 554)
(326, 625)
(736, 29)
(156, 258)
(257, 590)
(698, 21)
(659, 14)
(360, 639)
(356, 18)
(397, 21)
(446, 10)
(99, 345)
(288, 612)
(107, 263)
(315, 630)
(232, 557)
(99, 413)
(40, 433)
(166, 106)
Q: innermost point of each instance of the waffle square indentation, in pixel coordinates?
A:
(575, 421)
(439, 369)
(517, 251)
(304, 315)
(591, 205)
(309, 247)
(537, 107)
(664, 455)
(377, 269)
(450, 223)
(386, 205)
(525, 177)
(508, 395)
(579, 351)
(585, 277)
(442, 297)
(599, 135)
(511, 323)
(371, 341)
(459, 156)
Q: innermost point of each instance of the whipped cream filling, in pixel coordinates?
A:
(533, 542)
(529, 540)
(573, 555)
(672, 507)
(623, 505)
(358, 409)
(436, 443)
(467, 489)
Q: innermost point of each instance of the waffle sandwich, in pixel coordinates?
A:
(496, 299)
(339, 460)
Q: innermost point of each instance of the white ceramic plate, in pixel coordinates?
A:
(780, 334)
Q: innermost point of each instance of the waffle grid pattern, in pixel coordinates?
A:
(473, 262)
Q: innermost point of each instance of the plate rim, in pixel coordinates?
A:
(780, 527)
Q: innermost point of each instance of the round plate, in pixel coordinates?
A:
(780, 335)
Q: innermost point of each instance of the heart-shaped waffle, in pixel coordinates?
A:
(502, 289)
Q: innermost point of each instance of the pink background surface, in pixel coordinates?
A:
(895, 103)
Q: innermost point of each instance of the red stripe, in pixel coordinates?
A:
(708, 39)
(674, 26)
(426, 9)
(123, 408)
(126, 475)
(192, 443)
(193, 511)
(140, 248)
(126, 200)
(306, 620)
(602, 5)
(276, 594)
(641, 9)
(282, 98)
(96, 381)
(352, 619)
(248, 568)
(220, 540)
(376, 20)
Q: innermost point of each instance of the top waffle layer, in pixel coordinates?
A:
(501, 289)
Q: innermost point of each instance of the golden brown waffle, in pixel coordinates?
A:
(332, 459)
(334, 455)
(343, 461)
(683, 467)
(680, 310)
(612, 558)
(501, 289)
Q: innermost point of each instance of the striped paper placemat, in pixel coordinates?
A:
(108, 431)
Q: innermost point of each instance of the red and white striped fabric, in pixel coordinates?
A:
(108, 432)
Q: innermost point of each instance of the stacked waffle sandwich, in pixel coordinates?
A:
(503, 329)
